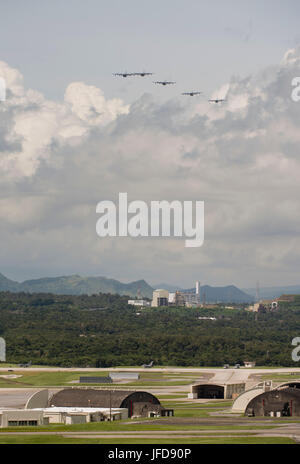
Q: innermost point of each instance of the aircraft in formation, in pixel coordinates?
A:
(123, 74)
(143, 74)
(164, 83)
(217, 100)
(192, 94)
(126, 74)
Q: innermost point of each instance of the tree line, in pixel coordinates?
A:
(103, 331)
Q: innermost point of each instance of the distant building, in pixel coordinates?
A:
(95, 379)
(172, 298)
(21, 417)
(65, 415)
(187, 299)
(190, 298)
(139, 302)
(182, 298)
(193, 299)
(59, 415)
(264, 306)
(160, 298)
(179, 299)
(287, 298)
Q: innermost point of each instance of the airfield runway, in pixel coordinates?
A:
(219, 373)
(17, 397)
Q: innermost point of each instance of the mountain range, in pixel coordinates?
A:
(274, 292)
(228, 294)
(77, 285)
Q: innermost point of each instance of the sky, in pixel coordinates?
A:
(72, 134)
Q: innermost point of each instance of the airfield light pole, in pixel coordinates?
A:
(109, 405)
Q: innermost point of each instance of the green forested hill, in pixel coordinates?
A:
(101, 330)
(77, 285)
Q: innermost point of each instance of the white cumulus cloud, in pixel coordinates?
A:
(59, 159)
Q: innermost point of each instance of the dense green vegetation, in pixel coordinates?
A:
(76, 285)
(102, 331)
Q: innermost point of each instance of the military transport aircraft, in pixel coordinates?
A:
(191, 94)
(126, 74)
(217, 100)
(143, 74)
(164, 82)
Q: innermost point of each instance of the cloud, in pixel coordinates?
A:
(38, 126)
(59, 159)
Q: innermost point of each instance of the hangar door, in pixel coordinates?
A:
(209, 391)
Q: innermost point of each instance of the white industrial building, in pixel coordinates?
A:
(59, 415)
(21, 417)
(172, 298)
(70, 415)
(160, 298)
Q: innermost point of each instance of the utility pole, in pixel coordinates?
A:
(109, 405)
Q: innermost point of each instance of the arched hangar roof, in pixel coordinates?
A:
(89, 397)
(241, 402)
(291, 384)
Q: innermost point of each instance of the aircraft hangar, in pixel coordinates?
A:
(275, 403)
(244, 399)
(138, 403)
(216, 391)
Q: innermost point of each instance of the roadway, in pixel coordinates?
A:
(192, 370)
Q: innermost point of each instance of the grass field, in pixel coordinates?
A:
(281, 377)
(50, 439)
(139, 425)
(48, 379)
